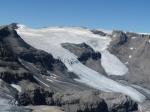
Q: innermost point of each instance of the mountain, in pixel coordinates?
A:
(75, 69)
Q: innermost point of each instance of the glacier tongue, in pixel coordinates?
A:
(112, 65)
(50, 39)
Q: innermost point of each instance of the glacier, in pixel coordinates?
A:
(50, 40)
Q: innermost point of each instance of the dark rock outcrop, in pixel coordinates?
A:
(83, 51)
(7, 89)
(86, 55)
(99, 32)
(37, 96)
(94, 102)
(119, 37)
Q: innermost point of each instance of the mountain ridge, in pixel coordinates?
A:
(30, 61)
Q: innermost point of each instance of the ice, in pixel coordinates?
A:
(96, 80)
(112, 65)
(50, 40)
(54, 36)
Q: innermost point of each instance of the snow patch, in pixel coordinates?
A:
(53, 77)
(131, 48)
(41, 81)
(126, 62)
(50, 80)
(16, 87)
(130, 56)
(21, 26)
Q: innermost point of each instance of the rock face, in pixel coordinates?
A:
(86, 55)
(45, 80)
(144, 107)
(132, 49)
(6, 88)
(94, 102)
(38, 96)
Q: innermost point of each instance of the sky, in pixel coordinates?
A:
(128, 15)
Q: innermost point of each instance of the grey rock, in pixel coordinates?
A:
(134, 53)
(144, 107)
(94, 101)
(35, 96)
(86, 55)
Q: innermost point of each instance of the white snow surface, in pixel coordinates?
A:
(112, 65)
(50, 39)
(16, 87)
